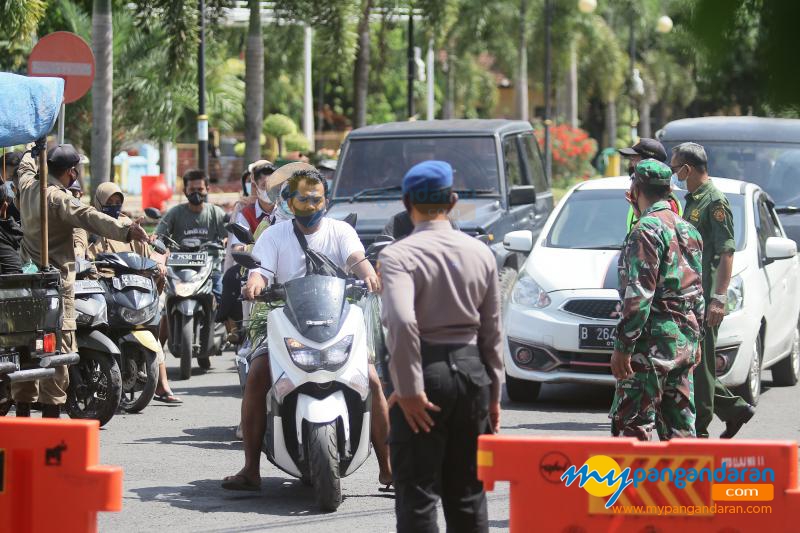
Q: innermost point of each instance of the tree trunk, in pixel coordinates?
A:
(254, 85)
(611, 123)
(361, 71)
(448, 107)
(102, 91)
(521, 85)
(572, 83)
(645, 128)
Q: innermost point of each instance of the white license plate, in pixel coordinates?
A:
(187, 259)
(133, 280)
(88, 286)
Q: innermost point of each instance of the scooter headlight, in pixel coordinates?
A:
(138, 316)
(311, 359)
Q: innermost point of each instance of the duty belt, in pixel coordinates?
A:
(447, 353)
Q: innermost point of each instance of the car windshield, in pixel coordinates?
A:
(597, 220)
(775, 167)
(381, 163)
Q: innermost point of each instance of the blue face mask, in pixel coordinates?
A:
(112, 210)
(311, 220)
(676, 183)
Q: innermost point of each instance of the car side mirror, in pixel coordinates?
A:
(152, 212)
(780, 248)
(244, 235)
(521, 195)
(518, 241)
(246, 260)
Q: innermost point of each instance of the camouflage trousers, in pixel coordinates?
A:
(660, 395)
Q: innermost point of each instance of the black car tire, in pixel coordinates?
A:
(750, 390)
(786, 372)
(521, 390)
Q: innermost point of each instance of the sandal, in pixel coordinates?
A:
(239, 482)
(167, 398)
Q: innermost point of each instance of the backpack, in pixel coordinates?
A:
(317, 263)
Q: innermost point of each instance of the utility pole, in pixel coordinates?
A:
(202, 118)
(412, 65)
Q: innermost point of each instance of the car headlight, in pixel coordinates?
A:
(735, 294)
(138, 316)
(331, 358)
(528, 293)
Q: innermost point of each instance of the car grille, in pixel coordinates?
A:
(599, 309)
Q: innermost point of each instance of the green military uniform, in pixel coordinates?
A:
(661, 324)
(65, 214)
(709, 211)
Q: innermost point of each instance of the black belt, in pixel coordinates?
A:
(447, 353)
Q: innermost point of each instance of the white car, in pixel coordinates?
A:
(562, 310)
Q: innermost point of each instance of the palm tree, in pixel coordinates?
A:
(102, 91)
(254, 84)
(361, 71)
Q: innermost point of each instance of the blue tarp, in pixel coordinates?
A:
(29, 107)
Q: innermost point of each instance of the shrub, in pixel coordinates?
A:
(572, 152)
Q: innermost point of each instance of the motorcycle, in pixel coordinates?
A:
(318, 408)
(133, 319)
(95, 382)
(190, 303)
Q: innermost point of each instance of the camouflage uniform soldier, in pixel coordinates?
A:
(658, 336)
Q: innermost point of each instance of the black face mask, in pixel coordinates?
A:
(196, 198)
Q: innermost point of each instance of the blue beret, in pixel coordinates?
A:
(429, 176)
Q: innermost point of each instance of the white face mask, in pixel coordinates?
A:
(676, 183)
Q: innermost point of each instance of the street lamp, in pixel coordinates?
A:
(587, 6)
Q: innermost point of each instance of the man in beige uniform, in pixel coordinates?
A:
(441, 306)
(65, 214)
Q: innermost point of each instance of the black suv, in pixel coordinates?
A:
(498, 175)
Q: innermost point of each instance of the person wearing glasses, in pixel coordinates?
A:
(283, 259)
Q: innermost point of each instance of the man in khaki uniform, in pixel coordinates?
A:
(65, 214)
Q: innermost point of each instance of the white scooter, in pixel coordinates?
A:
(318, 408)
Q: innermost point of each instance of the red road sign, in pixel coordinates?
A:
(64, 55)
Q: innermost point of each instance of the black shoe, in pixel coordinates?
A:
(23, 409)
(51, 411)
(732, 428)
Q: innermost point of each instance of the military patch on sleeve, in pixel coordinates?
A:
(719, 214)
(695, 216)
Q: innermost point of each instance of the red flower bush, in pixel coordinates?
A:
(572, 151)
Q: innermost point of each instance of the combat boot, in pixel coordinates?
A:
(23, 409)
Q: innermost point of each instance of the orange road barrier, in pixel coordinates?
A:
(49, 477)
(625, 486)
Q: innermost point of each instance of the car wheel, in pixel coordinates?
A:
(521, 390)
(787, 371)
(750, 390)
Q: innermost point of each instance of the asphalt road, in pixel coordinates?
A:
(175, 456)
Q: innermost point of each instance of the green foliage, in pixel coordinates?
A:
(20, 18)
(296, 142)
(278, 126)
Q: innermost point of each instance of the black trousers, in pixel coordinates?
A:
(230, 307)
(443, 463)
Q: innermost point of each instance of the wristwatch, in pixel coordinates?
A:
(721, 298)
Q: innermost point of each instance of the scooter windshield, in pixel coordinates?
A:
(129, 260)
(315, 305)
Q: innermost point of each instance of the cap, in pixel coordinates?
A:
(428, 176)
(648, 149)
(652, 172)
(62, 157)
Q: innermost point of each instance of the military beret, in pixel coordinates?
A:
(428, 176)
(62, 157)
(652, 172)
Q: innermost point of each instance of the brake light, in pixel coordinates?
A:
(49, 344)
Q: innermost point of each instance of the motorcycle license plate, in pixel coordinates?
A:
(597, 337)
(88, 286)
(187, 259)
(133, 280)
(10, 359)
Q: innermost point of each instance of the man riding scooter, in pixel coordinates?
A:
(283, 259)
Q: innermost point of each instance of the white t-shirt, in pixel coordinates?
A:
(283, 260)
